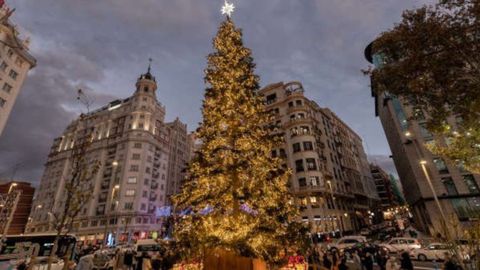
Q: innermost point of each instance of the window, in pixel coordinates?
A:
(13, 74)
(311, 165)
(136, 156)
(302, 182)
(130, 192)
(128, 206)
(3, 66)
(290, 104)
(132, 180)
(296, 147)
(282, 153)
(94, 223)
(303, 201)
(143, 207)
(147, 169)
(271, 98)
(146, 182)
(137, 145)
(134, 168)
(314, 181)
(299, 165)
(441, 166)
(307, 146)
(470, 183)
(2, 102)
(7, 87)
(449, 186)
(145, 194)
(274, 153)
(313, 199)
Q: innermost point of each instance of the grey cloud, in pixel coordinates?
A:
(102, 46)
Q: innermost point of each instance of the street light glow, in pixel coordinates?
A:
(423, 162)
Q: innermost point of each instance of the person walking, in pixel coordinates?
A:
(343, 264)
(327, 263)
(128, 259)
(406, 262)
(368, 261)
(157, 262)
(85, 262)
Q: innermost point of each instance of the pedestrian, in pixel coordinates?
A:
(406, 262)
(381, 260)
(392, 263)
(357, 261)
(157, 262)
(144, 262)
(335, 259)
(119, 259)
(450, 263)
(85, 262)
(327, 263)
(128, 259)
(343, 264)
(368, 261)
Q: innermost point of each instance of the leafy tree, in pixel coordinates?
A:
(236, 197)
(431, 59)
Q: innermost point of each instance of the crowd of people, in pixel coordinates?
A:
(126, 259)
(368, 258)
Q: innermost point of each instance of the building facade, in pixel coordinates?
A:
(385, 188)
(21, 205)
(134, 147)
(15, 62)
(331, 178)
(180, 153)
(425, 176)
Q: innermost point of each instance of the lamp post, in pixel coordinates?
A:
(423, 164)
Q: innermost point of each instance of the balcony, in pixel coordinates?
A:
(297, 108)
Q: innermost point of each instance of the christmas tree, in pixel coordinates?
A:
(236, 196)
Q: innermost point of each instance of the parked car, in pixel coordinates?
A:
(42, 263)
(398, 244)
(365, 232)
(347, 241)
(434, 251)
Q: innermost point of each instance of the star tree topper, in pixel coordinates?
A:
(228, 8)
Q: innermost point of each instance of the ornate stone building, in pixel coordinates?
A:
(141, 159)
(15, 62)
(331, 177)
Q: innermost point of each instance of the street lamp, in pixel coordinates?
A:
(423, 164)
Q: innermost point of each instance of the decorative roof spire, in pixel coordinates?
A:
(149, 65)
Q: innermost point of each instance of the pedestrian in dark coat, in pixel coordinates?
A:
(406, 262)
(128, 259)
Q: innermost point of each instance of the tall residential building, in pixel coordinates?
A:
(331, 178)
(15, 62)
(134, 146)
(423, 174)
(384, 187)
(22, 205)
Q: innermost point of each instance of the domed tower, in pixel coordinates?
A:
(146, 84)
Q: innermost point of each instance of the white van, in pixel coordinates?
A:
(146, 245)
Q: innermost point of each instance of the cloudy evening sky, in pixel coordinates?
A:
(102, 47)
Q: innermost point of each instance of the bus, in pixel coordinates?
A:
(21, 247)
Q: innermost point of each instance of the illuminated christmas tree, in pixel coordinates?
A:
(236, 197)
